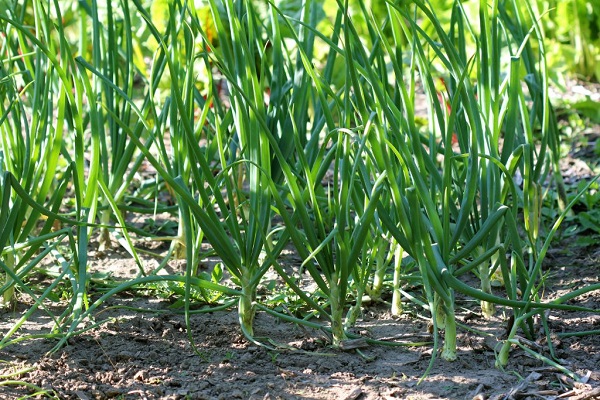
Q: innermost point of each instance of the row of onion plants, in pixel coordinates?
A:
(249, 114)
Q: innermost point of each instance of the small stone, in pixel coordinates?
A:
(141, 376)
(81, 396)
(328, 365)
(173, 383)
(112, 392)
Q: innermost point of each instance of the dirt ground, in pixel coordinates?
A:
(148, 355)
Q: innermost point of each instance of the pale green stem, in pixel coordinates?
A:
(449, 350)
(380, 268)
(179, 243)
(337, 310)
(354, 311)
(440, 313)
(105, 242)
(487, 309)
(502, 357)
(397, 295)
(246, 309)
(7, 296)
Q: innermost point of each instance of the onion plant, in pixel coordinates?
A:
(30, 142)
(231, 205)
(328, 235)
(46, 147)
(459, 202)
(38, 107)
(458, 214)
(327, 222)
(107, 31)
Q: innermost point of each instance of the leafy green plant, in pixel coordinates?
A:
(112, 54)
(232, 213)
(331, 239)
(457, 215)
(30, 144)
(35, 176)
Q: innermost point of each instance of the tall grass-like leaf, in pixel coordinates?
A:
(30, 148)
(327, 235)
(460, 200)
(233, 207)
(113, 58)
